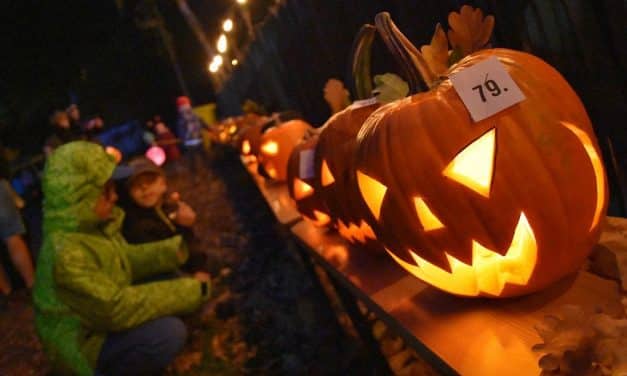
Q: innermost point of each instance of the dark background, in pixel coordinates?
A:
(98, 54)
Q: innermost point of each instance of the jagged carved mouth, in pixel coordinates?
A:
(490, 271)
(355, 233)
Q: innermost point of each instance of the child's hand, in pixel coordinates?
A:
(184, 215)
(202, 277)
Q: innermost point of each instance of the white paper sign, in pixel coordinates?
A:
(306, 168)
(486, 88)
(364, 103)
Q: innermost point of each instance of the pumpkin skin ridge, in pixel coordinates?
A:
(574, 116)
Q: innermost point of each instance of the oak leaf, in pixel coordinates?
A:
(469, 30)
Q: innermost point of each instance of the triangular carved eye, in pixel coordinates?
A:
(473, 167)
(428, 220)
(302, 189)
(372, 191)
(326, 175)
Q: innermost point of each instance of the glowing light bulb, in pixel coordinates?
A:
(222, 45)
(227, 25)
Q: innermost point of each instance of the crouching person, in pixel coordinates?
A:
(89, 316)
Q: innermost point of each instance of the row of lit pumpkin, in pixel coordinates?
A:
(501, 207)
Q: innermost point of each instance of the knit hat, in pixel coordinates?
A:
(183, 101)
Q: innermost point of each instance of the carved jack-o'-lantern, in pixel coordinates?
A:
(276, 146)
(334, 159)
(250, 137)
(249, 133)
(500, 207)
(304, 182)
(337, 144)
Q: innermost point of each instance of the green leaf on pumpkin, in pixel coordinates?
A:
(389, 87)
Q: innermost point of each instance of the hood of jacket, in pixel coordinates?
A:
(74, 178)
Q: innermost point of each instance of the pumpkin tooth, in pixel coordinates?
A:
(455, 263)
(520, 260)
(322, 219)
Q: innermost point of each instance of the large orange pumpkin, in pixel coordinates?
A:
(500, 207)
(276, 146)
(303, 182)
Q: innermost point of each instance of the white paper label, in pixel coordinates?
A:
(306, 168)
(364, 102)
(486, 88)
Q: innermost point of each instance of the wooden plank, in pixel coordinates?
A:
(276, 195)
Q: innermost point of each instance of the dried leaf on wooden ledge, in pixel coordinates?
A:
(603, 263)
(436, 53)
(614, 239)
(469, 30)
(582, 344)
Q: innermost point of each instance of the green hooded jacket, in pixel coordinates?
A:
(85, 271)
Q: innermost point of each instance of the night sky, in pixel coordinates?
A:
(92, 52)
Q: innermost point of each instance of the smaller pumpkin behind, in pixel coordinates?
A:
(276, 146)
(337, 145)
(303, 182)
(250, 137)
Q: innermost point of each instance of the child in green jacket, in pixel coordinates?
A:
(89, 315)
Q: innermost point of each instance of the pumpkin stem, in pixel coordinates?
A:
(360, 64)
(406, 54)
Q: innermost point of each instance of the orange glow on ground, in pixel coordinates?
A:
(473, 167)
(372, 191)
(489, 272)
(597, 165)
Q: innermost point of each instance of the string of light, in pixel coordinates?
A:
(222, 43)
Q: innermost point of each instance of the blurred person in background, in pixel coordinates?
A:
(12, 230)
(62, 131)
